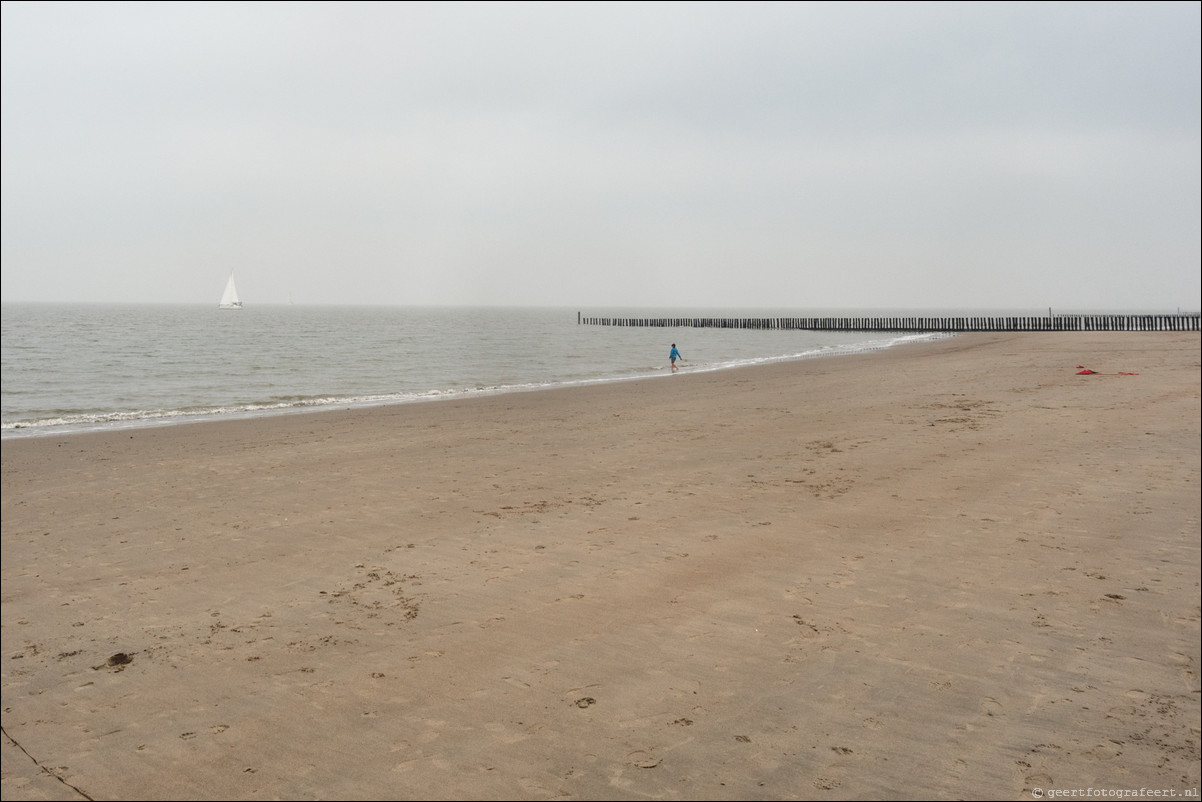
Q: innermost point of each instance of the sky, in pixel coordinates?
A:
(605, 155)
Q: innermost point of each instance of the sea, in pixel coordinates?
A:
(73, 368)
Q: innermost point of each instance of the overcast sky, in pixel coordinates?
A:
(619, 155)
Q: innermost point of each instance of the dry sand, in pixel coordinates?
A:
(951, 570)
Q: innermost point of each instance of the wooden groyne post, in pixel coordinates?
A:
(903, 324)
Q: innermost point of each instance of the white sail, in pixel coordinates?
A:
(230, 299)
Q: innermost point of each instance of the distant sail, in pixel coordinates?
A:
(230, 299)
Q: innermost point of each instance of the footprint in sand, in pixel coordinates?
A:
(118, 662)
(991, 706)
(808, 630)
(1037, 781)
(644, 760)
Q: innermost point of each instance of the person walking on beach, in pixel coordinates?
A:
(674, 355)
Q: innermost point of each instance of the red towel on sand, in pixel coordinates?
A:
(1087, 372)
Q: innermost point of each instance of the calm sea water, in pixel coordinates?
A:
(73, 368)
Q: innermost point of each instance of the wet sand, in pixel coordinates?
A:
(946, 570)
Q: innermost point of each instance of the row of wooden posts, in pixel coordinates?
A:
(916, 324)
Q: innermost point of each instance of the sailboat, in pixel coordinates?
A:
(230, 299)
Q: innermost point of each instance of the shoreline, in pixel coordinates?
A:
(120, 421)
(951, 568)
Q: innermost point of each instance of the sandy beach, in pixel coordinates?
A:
(950, 570)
